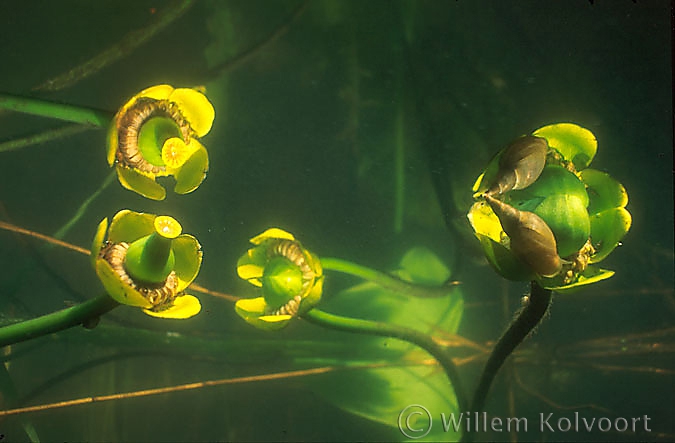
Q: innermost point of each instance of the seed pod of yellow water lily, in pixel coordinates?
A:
(532, 241)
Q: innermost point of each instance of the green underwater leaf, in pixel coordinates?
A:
(372, 302)
(380, 394)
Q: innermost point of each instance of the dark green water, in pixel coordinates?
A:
(311, 128)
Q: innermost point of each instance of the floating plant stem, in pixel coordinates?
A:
(83, 207)
(124, 47)
(60, 111)
(42, 137)
(81, 314)
(526, 320)
(384, 280)
(424, 341)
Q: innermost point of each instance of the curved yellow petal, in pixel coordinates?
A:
(183, 307)
(314, 263)
(97, 243)
(272, 233)
(313, 297)
(193, 172)
(158, 92)
(485, 222)
(188, 253)
(120, 292)
(253, 311)
(252, 273)
(196, 108)
(128, 226)
(112, 142)
(142, 184)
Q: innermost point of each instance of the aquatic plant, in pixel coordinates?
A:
(144, 260)
(155, 134)
(290, 276)
(543, 216)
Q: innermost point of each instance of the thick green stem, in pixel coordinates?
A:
(424, 341)
(384, 280)
(526, 320)
(58, 111)
(56, 321)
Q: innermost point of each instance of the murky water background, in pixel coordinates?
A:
(359, 127)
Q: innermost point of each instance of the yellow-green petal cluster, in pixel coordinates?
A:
(544, 215)
(144, 260)
(290, 278)
(155, 134)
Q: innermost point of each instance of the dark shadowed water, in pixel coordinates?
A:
(360, 127)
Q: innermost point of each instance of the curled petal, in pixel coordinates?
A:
(196, 108)
(140, 183)
(99, 237)
(128, 226)
(272, 233)
(188, 254)
(193, 172)
(118, 290)
(184, 306)
(253, 311)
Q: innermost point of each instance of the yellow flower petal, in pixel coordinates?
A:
(159, 92)
(196, 108)
(272, 233)
(112, 142)
(120, 292)
(128, 226)
(252, 273)
(188, 253)
(140, 183)
(97, 243)
(193, 172)
(485, 222)
(183, 307)
(252, 310)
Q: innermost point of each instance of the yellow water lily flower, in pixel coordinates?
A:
(144, 260)
(290, 276)
(155, 134)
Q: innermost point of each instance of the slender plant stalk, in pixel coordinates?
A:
(384, 280)
(56, 321)
(60, 111)
(83, 207)
(526, 320)
(124, 47)
(11, 398)
(381, 329)
(42, 137)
